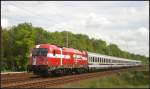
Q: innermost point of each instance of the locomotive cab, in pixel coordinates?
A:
(38, 60)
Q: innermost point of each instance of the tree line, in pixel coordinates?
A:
(18, 41)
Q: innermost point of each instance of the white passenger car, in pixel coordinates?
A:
(103, 61)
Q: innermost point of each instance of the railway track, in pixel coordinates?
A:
(53, 81)
(14, 78)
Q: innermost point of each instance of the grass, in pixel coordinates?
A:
(127, 79)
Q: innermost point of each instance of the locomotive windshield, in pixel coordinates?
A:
(39, 52)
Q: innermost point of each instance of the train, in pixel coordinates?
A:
(52, 59)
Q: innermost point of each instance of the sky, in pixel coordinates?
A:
(124, 23)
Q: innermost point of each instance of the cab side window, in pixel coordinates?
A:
(54, 52)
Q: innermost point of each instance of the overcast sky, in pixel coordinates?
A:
(125, 23)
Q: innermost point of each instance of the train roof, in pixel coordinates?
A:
(72, 50)
(57, 47)
(112, 57)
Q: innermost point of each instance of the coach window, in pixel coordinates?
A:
(92, 59)
(98, 59)
(104, 60)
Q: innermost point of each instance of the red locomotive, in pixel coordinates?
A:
(51, 58)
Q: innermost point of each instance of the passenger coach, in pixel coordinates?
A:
(103, 61)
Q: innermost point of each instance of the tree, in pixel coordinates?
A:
(18, 41)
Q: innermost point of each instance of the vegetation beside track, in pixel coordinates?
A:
(128, 79)
(17, 42)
